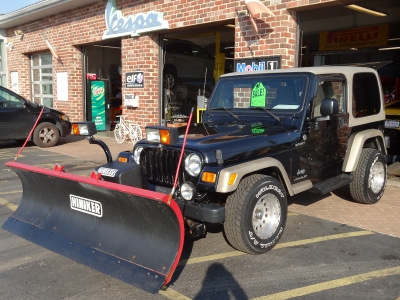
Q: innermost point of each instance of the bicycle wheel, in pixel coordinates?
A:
(139, 133)
(135, 133)
(119, 134)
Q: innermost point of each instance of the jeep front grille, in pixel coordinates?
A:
(160, 165)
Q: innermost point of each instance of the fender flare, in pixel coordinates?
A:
(253, 166)
(356, 142)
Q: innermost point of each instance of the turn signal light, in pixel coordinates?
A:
(209, 177)
(84, 128)
(122, 159)
(163, 135)
(232, 179)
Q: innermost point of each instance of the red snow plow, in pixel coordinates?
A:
(131, 234)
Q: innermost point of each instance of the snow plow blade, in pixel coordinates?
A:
(128, 233)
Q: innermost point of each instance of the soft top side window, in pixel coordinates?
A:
(366, 96)
(329, 88)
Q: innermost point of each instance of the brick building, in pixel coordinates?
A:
(123, 43)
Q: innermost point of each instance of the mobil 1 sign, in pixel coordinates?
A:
(134, 79)
(258, 64)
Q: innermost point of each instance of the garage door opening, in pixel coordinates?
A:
(191, 65)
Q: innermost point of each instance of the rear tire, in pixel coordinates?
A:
(256, 214)
(46, 135)
(370, 177)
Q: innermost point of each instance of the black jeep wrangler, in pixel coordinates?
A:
(263, 136)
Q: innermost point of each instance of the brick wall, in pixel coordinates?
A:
(69, 30)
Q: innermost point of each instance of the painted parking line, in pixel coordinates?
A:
(327, 285)
(202, 259)
(11, 192)
(174, 295)
(7, 204)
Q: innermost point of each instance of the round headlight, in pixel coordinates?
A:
(136, 154)
(193, 164)
(188, 191)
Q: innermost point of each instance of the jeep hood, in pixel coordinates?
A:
(239, 141)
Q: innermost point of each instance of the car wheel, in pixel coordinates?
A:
(256, 214)
(169, 77)
(46, 135)
(370, 177)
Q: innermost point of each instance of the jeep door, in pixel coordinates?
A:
(328, 135)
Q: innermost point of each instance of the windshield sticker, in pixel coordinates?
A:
(257, 130)
(258, 95)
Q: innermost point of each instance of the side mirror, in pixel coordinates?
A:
(329, 106)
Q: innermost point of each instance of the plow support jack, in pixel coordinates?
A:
(128, 233)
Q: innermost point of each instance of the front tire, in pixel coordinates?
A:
(46, 135)
(370, 177)
(256, 214)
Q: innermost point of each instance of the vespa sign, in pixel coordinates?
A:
(118, 25)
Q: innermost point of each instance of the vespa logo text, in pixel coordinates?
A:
(87, 206)
(118, 25)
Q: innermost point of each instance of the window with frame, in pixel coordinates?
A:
(366, 95)
(333, 89)
(42, 78)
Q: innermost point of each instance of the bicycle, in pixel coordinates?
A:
(125, 130)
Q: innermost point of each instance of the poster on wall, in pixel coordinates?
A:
(258, 64)
(358, 37)
(98, 103)
(62, 86)
(14, 82)
(134, 79)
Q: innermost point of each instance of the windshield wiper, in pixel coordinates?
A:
(268, 112)
(225, 109)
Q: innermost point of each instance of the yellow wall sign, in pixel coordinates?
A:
(359, 37)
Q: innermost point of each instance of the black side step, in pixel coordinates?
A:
(331, 184)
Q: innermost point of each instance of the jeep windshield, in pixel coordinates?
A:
(260, 94)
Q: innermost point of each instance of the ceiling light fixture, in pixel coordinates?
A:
(389, 48)
(366, 10)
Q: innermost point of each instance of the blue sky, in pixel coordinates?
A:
(10, 5)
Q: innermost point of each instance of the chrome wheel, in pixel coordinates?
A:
(376, 178)
(266, 216)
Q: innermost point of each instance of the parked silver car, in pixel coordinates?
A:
(183, 59)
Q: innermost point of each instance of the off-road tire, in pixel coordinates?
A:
(256, 214)
(370, 177)
(46, 135)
